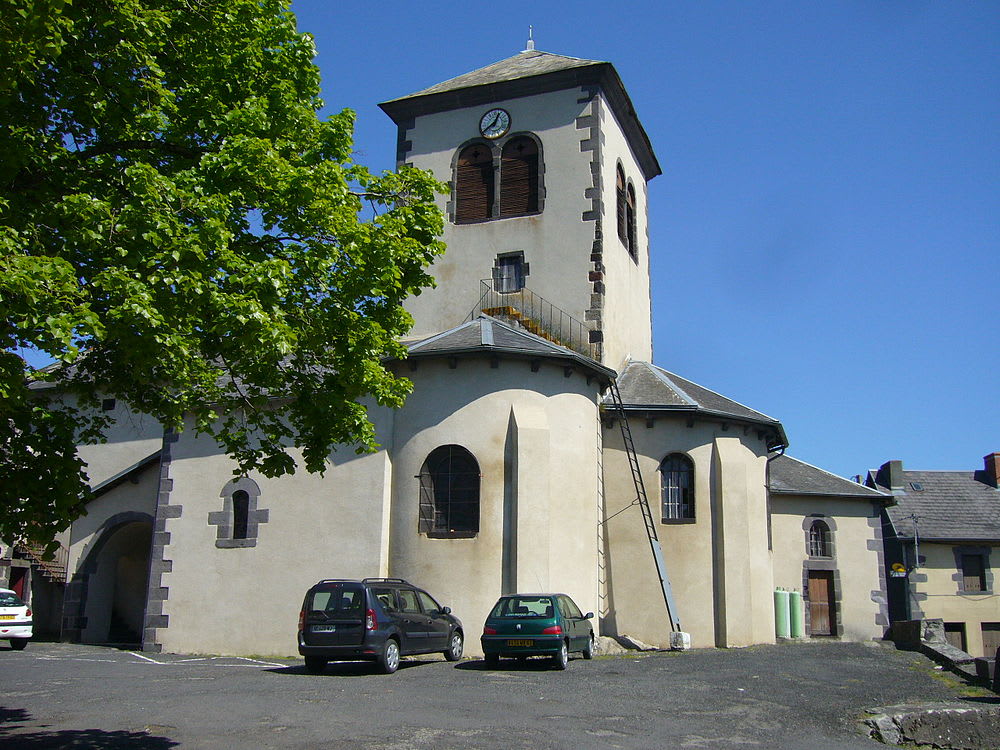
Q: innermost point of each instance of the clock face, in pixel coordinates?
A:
(494, 123)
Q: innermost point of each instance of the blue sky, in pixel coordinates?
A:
(825, 232)
(824, 235)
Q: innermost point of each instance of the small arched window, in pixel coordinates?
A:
(630, 221)
(241, 514)
(449, 493)
(819, 539)
(677, 488)
(474, 184)
(621, 206)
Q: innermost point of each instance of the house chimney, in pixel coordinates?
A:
(890, 475)
(992, 461)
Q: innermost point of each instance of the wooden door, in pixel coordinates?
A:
(821, 614)
(991, 638)
(954, 633)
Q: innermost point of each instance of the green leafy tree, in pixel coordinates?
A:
(181, 230)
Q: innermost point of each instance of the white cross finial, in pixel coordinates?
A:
(531, 42)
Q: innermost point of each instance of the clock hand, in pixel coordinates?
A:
(496, 118)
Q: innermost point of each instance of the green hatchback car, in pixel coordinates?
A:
(523, 625)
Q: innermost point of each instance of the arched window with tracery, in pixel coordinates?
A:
(819, 540)
(677, 488)
(474, 184)
(519, 177)
(449, 493)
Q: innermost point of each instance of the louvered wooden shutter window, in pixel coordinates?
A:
(474, 185)
(630, 220)
(620, 204)
(519, 177)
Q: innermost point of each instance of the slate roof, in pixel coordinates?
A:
(950, 506)
(522, 65)
(646, 387)
(524, 74)
(487, 335)
(790, 476)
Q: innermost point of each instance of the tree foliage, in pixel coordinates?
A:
(181, 230)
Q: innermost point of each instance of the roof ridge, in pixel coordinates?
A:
(720, 395)
(662, 375)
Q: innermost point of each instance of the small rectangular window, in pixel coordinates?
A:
(108, 404)
(973, 573)
(510, 273)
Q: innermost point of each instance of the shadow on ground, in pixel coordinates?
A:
(346, 669)
(77, 739)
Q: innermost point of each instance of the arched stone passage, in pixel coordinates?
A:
(106, 600)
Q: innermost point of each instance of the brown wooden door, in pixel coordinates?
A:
(820, 602)
(991, 638)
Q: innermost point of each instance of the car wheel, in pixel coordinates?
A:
(492, 660)
(388, 660)
(588, 652)
(455, 646)
(315, 664)
(18, 644)
(560, 660)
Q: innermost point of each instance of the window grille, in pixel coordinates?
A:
(677, 487)
(449, 493)
(819, 539)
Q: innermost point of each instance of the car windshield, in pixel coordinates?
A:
(10, 599)
(337, 598)
(524, 606)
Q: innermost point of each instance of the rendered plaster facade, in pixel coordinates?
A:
(719, 564)
(855, 560)
(936, 590)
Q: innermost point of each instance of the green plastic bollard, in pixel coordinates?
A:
(797, 622)
(781, 621)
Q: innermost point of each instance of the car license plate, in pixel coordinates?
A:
(6, 617)
(324, 628)
(514, 643)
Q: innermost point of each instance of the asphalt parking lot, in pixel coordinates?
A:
(808, 695)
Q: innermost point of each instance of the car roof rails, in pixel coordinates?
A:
(387, 580)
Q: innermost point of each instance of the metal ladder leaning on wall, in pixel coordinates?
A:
(643, 502)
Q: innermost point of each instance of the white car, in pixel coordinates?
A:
(15, 620)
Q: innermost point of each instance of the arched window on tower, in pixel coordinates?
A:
(474, 184)
(819, 540)
(677, 488)
(449, 493)
(519, 177)
(620, 205)
(241, 514)
(630, 221)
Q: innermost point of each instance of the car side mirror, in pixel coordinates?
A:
(589, 616)
(446, 610)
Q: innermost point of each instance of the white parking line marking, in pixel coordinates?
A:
(255, 663)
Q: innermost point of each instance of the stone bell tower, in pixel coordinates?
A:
(546, 223)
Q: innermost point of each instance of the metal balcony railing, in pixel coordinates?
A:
(524, 308)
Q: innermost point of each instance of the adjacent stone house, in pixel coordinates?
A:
(942, 547)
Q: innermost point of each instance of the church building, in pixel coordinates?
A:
(507, 469)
